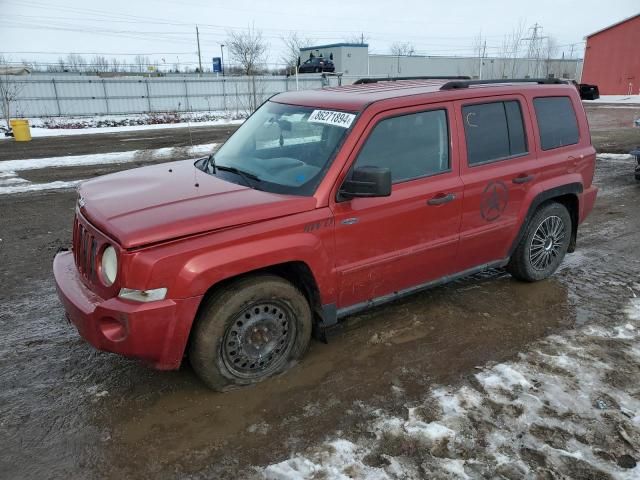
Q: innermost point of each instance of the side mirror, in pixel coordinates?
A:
(367, 182)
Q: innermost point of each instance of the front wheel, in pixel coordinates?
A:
(249, 330)
(544, 244)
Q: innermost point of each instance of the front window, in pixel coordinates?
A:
(282, 148)
(412, 146)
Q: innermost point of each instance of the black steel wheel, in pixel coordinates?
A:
(248, 330)
(258, 340)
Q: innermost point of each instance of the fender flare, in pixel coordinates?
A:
(574, 188)
(207, 269)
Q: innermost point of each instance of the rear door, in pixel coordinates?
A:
(385, 245)
(498, 167)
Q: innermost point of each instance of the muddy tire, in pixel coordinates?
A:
(249, 330)
(544, 244)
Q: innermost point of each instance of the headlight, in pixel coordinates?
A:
(109, 268)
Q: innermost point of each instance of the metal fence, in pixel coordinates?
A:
(42, 96)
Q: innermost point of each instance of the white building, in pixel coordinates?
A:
(353, 59)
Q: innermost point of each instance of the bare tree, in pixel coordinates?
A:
(477, 45)
(100, 63)
(247, 49)
(549, 51)
(76, 63)
(140, 63)
(480, 51)
(116, 65)
(61, 65)
(9, 90)
(402, 49)
(511, 49)
(293, 43)
(357, 38)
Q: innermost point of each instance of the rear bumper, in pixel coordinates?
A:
(155, 332)
(587, 201)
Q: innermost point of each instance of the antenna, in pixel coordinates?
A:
(195, 170)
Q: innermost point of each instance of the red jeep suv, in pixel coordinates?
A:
(322, 204)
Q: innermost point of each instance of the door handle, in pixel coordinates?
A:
(441, 199)
(522, 179)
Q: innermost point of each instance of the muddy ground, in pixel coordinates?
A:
(41, 147)
(68, 411)
(612, 128)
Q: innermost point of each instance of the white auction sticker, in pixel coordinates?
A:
(339, 119)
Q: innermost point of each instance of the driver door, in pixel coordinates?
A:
(389, 244)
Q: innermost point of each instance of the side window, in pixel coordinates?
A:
(411, 146)
(556, 121)
(493, 131)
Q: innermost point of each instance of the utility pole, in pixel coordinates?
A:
(222, 58)
(534, 47)
(199, 55)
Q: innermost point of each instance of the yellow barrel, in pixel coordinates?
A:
(21, 130)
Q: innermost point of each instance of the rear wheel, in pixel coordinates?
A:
(544, 245)
(249, 330)
(317, 70)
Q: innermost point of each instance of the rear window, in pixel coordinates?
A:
(493, 131)
(556, 121)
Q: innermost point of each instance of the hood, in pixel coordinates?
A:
(161, 202)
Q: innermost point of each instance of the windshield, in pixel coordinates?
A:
(282, 148)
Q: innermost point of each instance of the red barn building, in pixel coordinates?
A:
(612, 58)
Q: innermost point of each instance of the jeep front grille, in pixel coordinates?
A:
(85, 250)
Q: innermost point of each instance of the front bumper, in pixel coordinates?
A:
(155, 332)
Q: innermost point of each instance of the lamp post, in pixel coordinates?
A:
(222, 58)
(224, 93)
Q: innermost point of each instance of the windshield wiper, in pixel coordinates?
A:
(246, 176)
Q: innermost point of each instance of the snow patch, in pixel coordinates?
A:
(342, 460)
(633, 310)
(632, 99)
(11, 183)
(28, 187)
(561, 408)
(91, 125)
(105, 158)
(502, 377)
(614, 156)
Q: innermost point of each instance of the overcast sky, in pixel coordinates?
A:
(44, 30)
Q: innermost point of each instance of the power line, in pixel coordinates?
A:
(97, 53)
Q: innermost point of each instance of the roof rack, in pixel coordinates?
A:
(467, 83)
(393, 79)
